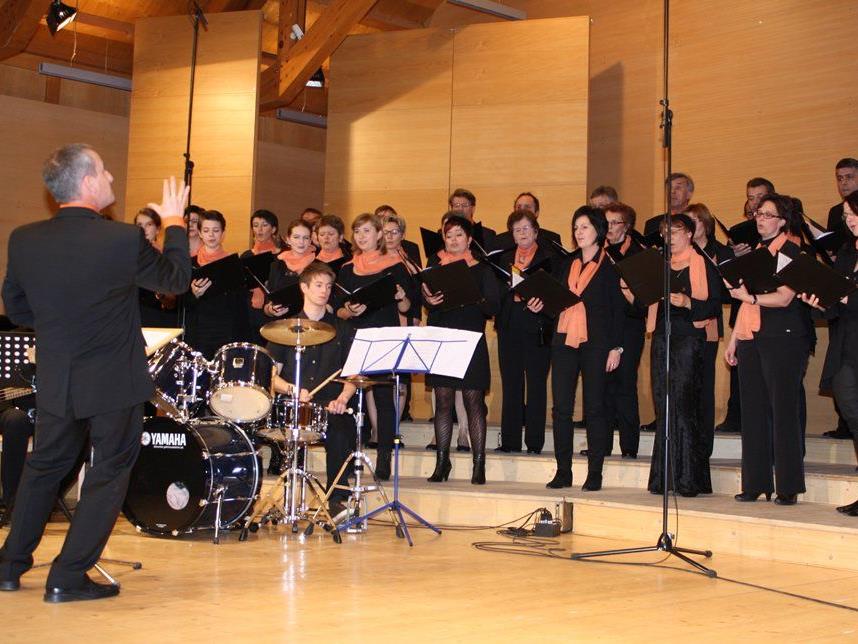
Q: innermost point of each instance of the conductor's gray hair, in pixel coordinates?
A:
(65, 169)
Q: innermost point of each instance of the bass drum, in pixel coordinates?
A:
(183, 469)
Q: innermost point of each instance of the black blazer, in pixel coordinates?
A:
(74, 279)
(835, 220)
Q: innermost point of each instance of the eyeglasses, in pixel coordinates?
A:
(766, 215)
(392, 233)
(616, 223)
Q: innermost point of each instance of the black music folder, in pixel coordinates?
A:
(336, 264)
(289, 297)
(744, 233)
(823, 240)
(227, 275)
(806, 275)
(756, 269)
(455, 280)
(375, 295)
(644, 275)
(432, 242)
(555, 296)
(559, 249)
(257, 268)
(653, 240)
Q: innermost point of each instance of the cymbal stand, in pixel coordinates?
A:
(357, 499)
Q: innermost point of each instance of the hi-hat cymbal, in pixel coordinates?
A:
(298, 332)
(361, 382)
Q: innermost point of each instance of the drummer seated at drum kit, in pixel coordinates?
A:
(318, 363)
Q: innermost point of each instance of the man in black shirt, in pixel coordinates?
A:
(681, 191)
(317, 363)
(528, 201)
(464, 203)
(846, 174)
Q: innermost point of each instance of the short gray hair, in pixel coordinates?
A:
(65, 169)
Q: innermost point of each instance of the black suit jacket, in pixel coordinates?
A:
(74, 279)
(835, 220)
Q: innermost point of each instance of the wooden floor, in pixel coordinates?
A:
(374, 588)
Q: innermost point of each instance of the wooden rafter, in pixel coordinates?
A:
(292, 12)
(218, 6)
(19, 21)
(308, 54)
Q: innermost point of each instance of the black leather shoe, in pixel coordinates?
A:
(479, 475)
(593, 483)
(838, 433)
(749, 497)
(382, 465)
(630, 455)
(88, 591)
(728, 428)
(649, 427)
(463, 448)
(9, 585)
(442, 467)
(579, 424)
(506, 450)
(431, 447)
(561, 479)
(786, 499)
(846, 509)
(534, 451)
(336, 507)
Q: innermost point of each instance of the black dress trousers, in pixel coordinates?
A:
(524, 363)
(621, 399)
(770, 379)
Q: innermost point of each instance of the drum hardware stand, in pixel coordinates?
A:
(357, 523)
(666, 541)
(295, 474)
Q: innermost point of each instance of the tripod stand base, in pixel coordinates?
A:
(665, 544)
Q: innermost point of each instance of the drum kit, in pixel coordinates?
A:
(201, 472)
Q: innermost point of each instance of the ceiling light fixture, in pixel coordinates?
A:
(59, 16)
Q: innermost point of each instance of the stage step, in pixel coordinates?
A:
(829, 484)
(727, 446)
(806, 533)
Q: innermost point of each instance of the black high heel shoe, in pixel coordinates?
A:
(479, 475)
(786, 499)
(442, 466)
(750, 497)
(382, 465)
(561, 479)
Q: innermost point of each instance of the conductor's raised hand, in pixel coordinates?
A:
(174, 199)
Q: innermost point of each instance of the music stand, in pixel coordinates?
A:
(397, 350)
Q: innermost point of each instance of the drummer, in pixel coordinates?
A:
(318, 363)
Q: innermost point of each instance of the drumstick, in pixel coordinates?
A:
(324, 382)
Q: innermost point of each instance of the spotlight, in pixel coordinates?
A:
(59, 15)
(317, 79)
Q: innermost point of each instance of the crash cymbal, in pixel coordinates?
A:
(361, 382)
(298, 332)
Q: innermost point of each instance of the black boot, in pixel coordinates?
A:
(442, 466)
(479, 475)
(382, 464)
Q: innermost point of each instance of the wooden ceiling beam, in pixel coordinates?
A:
(111, 56)
(308, 54)
(292, 12)
(19, 21)
(219, 6)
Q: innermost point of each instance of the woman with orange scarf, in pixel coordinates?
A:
(266, 239)
(588, 340)
(371, 260)
(156, 309)
(457, 239)
(770, 345)
(220, 319)
(291, 262)
(524, 343)
(693, 312)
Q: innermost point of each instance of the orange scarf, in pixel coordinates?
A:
(295, 262)
(449, 258)
(523, 257)
(329, 255)
(205, 256)
(624, 247)
(264, 247)
(696, 264)
(573, 321)
(372, 262)
(749, 317)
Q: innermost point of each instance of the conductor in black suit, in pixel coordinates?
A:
(74, 279)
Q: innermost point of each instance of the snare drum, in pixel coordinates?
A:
(181, 379)
(242, 384)
(311, 420)
(184, 469)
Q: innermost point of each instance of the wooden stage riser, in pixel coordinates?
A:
(832, 490)
(819, 450)
(818, 546)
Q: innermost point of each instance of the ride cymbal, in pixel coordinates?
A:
(298, 332)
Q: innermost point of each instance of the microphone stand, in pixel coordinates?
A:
(666, 540)
(197, 16)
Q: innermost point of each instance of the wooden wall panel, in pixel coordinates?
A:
(30, 131)
(223, 139)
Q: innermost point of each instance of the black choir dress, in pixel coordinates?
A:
(469, 318)
(689, 451)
